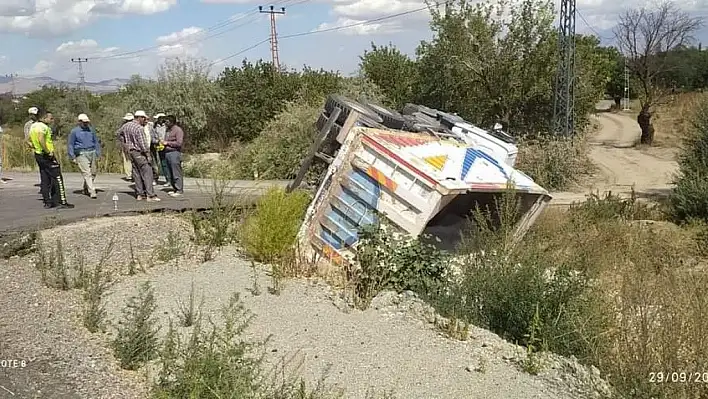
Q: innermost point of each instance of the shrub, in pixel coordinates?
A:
(689, 199)
(217, 363)
(389, 260)
(136, 340)
(555, 163)
(269, 233)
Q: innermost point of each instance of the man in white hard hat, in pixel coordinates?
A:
(32, 119)
(139, 152)
(127, 165)
(84, 149)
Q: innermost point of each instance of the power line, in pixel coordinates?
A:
(200, 36)
(585, 21)
(314, 32)
(273, 34)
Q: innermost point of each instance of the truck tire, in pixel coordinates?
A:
(347, 105)
(391, 119)
(411, 109)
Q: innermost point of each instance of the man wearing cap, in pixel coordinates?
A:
(139, 152)
(127, 165)
(51, 180)
(159, 149)
(83, 149)
(33, 118)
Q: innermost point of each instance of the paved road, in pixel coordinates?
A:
(21, 205)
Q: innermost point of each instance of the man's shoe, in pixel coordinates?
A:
(66, 206)
(153, 199)
(140, 197)
(175, 194)
(48, 206)
(94, 196)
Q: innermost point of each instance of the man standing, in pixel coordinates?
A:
(33, 118)
(174, 139)
(159, 153)
(139, 153)
(84, 148)
(127, 165)
(51, 180)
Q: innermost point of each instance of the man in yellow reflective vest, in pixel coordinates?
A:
(51, 180)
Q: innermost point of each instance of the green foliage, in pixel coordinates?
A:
(278, 151)
(136, 339)
(255, 93)
(269, 233)
(391, 70)
(388, 260)
(689, 198)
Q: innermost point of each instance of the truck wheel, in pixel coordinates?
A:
(347, 105)
(391, 119)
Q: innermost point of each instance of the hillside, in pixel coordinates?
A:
(24, 85)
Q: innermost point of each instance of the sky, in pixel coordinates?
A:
(125, 37)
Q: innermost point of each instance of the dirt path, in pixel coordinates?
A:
(621, 164)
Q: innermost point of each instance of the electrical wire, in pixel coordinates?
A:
(332, 29)
(590, 26)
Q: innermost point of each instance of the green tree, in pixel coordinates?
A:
(390, 69)
(488, 68)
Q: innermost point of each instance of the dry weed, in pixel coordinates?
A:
(672, 120)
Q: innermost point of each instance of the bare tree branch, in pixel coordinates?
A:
(645, 36)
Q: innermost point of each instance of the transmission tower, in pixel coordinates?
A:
(273, 34)
(564, 102)
(12, 77)
(626, 86)
(82, 78)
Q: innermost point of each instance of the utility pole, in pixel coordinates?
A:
(626, 86)
(273, 34)
(564, 101)
(81, 85)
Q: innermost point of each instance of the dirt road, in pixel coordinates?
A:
(623, 164)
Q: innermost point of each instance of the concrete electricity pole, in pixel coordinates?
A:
(82, 78)
(273, 34)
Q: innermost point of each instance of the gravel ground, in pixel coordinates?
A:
(392, 346)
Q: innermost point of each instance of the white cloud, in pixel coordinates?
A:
(43, 18)
(357, 13)
(110, 62)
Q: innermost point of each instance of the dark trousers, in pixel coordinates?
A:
(164, 168)
(174, 164)
(142, 174)
(51, 182)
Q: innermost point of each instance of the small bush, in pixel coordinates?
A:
(215, 228)
(610, 206)
(136, 340)
(269, 233)
(388, 260)
(555, 163)
(689, 199)
(217, 363)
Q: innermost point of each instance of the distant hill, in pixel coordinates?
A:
(27, 85)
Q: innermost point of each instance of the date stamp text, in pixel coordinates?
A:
(12, 363)
(681, 377)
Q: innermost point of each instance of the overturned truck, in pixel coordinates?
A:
(421, 169)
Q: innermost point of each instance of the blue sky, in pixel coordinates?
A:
(39, 37)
